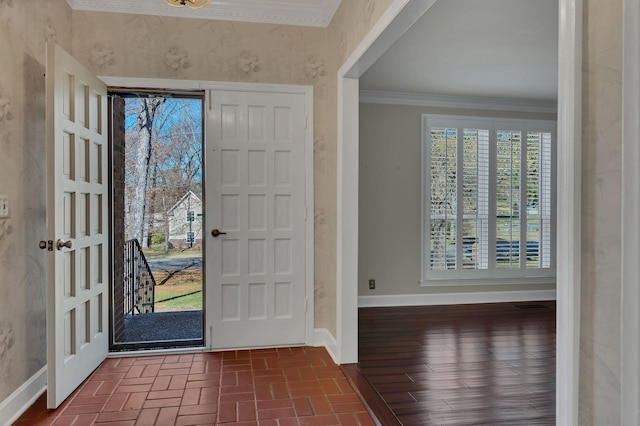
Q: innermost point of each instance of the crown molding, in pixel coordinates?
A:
(317, 13)
(460, 102)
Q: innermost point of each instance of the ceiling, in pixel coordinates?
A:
(314, 13)
(475, 48)
(466, 48)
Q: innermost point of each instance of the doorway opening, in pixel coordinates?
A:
(394, 22)
(158, 215)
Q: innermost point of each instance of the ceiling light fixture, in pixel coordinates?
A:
(193, 4)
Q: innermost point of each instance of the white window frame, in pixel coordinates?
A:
(492, 275)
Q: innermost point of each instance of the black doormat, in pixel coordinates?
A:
(163, 326)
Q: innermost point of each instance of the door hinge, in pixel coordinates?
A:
(306, 121)
(306, 301)
(305, 214)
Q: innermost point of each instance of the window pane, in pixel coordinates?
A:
(475, 196)
(443, 198)
(508, 202)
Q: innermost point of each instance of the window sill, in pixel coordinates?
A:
(459, 281)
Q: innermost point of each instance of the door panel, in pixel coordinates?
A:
(256, 291)
(77, 341)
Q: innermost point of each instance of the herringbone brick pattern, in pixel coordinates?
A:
(267, 387)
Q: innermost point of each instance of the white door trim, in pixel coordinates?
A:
(307, 91)
(569, 223)
(398, 17)
(630, 213)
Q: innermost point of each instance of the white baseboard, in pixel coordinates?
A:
(323, 337)
(19, 401)
(455, 298)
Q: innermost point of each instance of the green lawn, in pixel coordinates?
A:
(182, 292)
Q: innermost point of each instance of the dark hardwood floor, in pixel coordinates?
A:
(489, 364)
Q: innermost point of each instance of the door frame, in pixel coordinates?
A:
(307, 91)
(394, 22)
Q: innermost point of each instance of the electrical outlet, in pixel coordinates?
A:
(4, 206)
(372, 284)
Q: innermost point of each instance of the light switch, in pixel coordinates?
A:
(4, 206)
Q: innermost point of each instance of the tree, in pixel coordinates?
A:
(163, 161)
(144, 110)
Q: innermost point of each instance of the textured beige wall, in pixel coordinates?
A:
(600, 368)
(124, 45)
(25, 26)
(390, 199)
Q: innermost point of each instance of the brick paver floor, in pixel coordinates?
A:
(266, 387)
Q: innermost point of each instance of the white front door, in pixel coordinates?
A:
(255, 195)
(77, 227)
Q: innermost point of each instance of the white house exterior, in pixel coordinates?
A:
(185, 221)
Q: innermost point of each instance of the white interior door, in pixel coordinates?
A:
(77, 230)
(255, 194)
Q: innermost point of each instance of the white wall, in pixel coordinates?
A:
(390, 197)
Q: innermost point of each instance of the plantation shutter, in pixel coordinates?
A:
(488, 198)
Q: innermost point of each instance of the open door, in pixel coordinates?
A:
(77, 227)
(255, 222)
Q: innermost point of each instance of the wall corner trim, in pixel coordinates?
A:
(23, 397)
(455, 298)
(323, 337)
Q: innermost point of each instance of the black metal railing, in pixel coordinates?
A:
(139, 284)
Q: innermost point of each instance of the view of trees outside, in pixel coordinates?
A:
(163, 194)
(508, 195)
(536, 213)
(163, 162)
(475, 202)
(444, 197)
(446, 241)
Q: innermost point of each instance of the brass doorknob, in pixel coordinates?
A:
(62, 244)
(216, 232)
